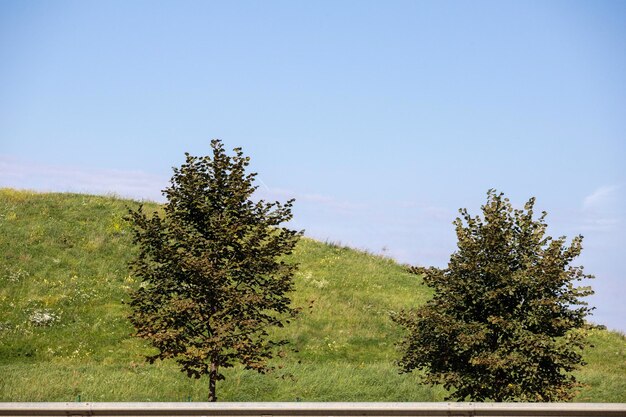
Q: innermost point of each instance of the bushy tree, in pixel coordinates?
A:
(212, 270)
(506, 322)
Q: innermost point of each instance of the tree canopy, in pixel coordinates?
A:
(212, 269)
(506, 322)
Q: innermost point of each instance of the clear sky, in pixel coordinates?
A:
(381, 118)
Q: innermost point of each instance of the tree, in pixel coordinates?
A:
(212, 269)
(506, 322)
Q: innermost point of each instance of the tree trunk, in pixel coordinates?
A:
(212, 382)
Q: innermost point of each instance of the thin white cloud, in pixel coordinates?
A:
(16, 173)
(21, 174)
(601, 197)
(600, 209)
(320, 200)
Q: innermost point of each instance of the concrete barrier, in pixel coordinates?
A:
(314, 409)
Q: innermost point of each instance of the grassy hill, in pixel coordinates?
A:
(64, 333)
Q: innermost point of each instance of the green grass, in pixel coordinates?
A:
(64, 265)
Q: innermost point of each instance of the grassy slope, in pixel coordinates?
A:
(66, 255)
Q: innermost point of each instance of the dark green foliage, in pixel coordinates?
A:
(506, 322)
(213, 278)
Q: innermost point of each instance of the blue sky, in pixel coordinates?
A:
(380, 118)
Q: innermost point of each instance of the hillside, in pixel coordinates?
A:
(64, 333)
